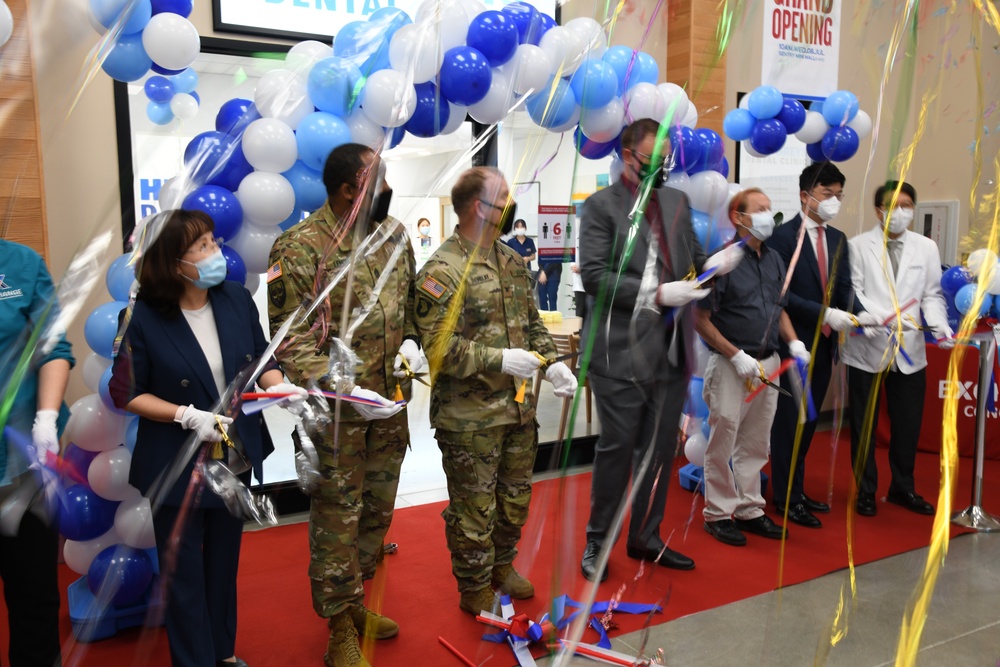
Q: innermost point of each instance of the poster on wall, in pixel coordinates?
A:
(555, 233)
(801, 49)
(776, 174)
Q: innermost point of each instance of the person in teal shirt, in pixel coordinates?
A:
(29, 556)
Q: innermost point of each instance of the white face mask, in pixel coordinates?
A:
(899, 219)
(828, 208)
(520, 231)
(761, 224)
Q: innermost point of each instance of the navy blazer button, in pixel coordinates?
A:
(185, 383)
(249, 357)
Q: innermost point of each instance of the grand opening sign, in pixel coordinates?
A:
(801, 46)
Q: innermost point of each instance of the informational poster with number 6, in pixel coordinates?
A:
(555, 233)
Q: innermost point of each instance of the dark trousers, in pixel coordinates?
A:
(548, 294)
(580, 299)
(904, 402)
(28, 566)
(633, 419)
(784, 471)
(201, 593)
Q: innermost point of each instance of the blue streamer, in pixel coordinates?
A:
(599, 628)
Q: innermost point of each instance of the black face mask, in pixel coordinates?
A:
(380, 206)
(507, 218)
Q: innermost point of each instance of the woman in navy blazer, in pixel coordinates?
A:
(189, 336)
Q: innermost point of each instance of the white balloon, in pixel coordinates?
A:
(254, 245)
(694, 449)
(94, 427)
(304, 55)
(701, 356)
(108, 475)
(184, 106)
(750, 149)
(616, 168)
(388, 99)
(573, 121)
(456, 116)
(171, 41)
(79, 555)
(813, 129)
(679, 180)
(708, 191)
(269, 145)
(282, 95)
(494, 107)
(675, 102)
(173, 191)
(979, 258)
(528, 69)
(593, 40)
(744, 102)
(994, 284)
(94, 366)
(604, 123)
(364, 130)
(448, 20)
(691, 116)
(252, 282)
(563, 49)
(473, 8)
(266, 198)
(6, 23)
(414, 49)
(862, 124)
(134, 522)
(643, 100)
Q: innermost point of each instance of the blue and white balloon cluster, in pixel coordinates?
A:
(959, 285)
(155, 35)
(172, 97)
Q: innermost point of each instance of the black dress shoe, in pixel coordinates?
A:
(762, 526)
(815, 505)
(726, 532)
(240, 662)
(669, 557)
(866, 505)
(589, 563)
(800, 514)
(910, 501)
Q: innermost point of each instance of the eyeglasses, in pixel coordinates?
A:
(827, 195)
(211, 245)
(492, 205)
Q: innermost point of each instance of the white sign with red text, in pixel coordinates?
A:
(555, 233)
(801, 46)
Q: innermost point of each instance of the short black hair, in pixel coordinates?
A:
(520, 221)
(891, 186)
(342, 166)
(820, 173)
(637, 131)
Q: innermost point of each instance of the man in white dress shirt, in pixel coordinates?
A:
(892, 268)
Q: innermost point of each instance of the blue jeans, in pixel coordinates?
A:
(548, 294)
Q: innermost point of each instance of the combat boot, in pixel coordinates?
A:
(342, 650)
(476, 601)
(508, 581)
(371, 625)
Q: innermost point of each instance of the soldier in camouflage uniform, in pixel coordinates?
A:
(478, 322)
(351, 510)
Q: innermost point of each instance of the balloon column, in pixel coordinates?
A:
(959, 285)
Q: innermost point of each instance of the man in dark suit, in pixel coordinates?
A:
(634, 272)
(820, 297)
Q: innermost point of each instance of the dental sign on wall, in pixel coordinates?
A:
(319, 19)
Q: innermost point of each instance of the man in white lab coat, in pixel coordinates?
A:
(892, 268)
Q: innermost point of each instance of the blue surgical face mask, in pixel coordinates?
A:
(211, 270)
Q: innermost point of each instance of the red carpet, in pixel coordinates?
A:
(278, 627)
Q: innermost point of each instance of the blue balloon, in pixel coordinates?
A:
(524, 17)
(310, 193)
(840, 108)
(816, 105)
(159, 89)
(686, 147)
(954, 279)
(432, 112)
(792, 115)
(594, 84)
(131, 433)
(493, 34)
(159, 114)
(815, 152)
(236, 270)
(540, 27)
(186, 81)
(233, 171)
(235, 115)
(206, 154)
(76, 462)
(768, 136)
(645, 70)
(706, 428)
(389, 20)
(181, 7)
(620, 59)
(108, 12)
(701, 223)
(221, 205)
(127, 60)
(362, 45)
(120, 573)
(119, 278)
(555, 113)
(719, 235)
(722, 167)
(465, 76)
(996, 305)
(738, 124)
(317, 135)
(590, 149)
(712, 147)
(696, 406)
(965, 298)
(333, 86)
(83, 514)
(295, 218)
(397, 136)
(159, 69)
(101, 328)
(104, 391)
(765, 102)
(840, 143)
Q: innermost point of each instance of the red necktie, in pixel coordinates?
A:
(821, 260)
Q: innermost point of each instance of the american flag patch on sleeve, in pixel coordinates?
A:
(274, 272)
(433, 287)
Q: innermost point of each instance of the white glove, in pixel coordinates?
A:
(411, 351)
(519, 363)
(945, 337)
(726, 260)
(562, 379)
(798, 351)
(679, 293)
(746, 366)
(203, 423)
(865, 318)
(908, 323)
(838, 320)
(292, 403)
(45, 435)
(373, 412)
